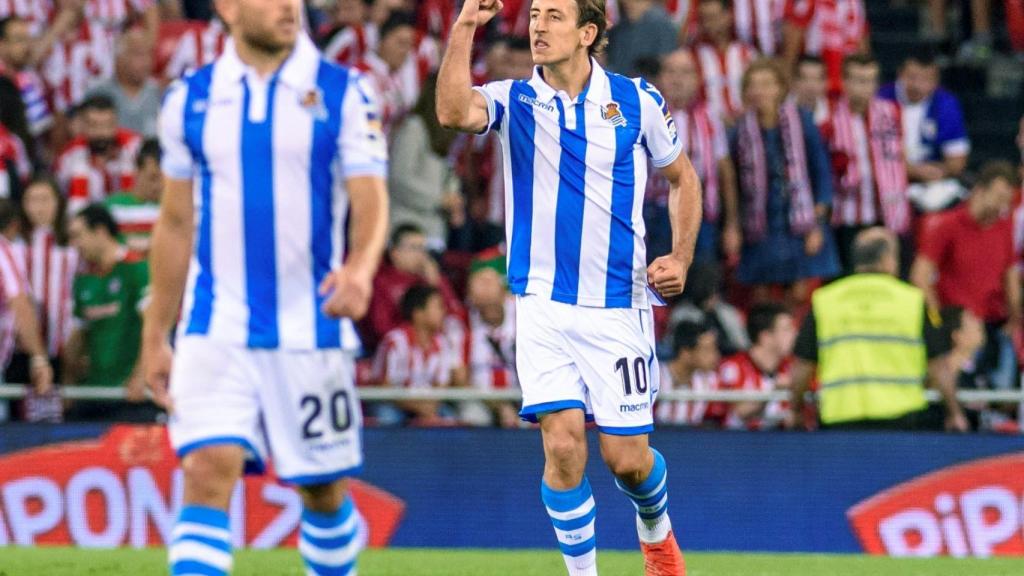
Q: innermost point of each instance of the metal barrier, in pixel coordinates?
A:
(378, 394)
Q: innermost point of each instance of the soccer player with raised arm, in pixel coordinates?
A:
(576, 141)
(266, 151)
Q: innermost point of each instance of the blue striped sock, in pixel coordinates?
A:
(650, 498)
(572, 514)
(201, 543)
(329, 543)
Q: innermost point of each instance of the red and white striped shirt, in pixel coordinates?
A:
(685, 413)
(35, 12)
(75, 64)
(14, 162)
(196, 48)
(833, 29)
(402, 363)
(491, 351)
(397, 91)
(738, 372)
(50, 269)
(721, 74)
(12, 285)
(115, 15)
(86, 180)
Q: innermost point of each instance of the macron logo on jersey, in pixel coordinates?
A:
(534, 102)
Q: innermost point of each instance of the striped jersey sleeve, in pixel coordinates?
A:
(659, 129)
(176, 161)
(496, 94)
(362, 143)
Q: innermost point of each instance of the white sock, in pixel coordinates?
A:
(655, 530)
(585, 565)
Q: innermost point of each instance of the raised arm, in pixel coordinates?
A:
(459, 107)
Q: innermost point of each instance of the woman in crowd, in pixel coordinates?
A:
(49, 265)
(785, 189)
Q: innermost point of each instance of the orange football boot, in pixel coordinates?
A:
(663, 558)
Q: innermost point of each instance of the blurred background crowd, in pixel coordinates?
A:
(807, 121)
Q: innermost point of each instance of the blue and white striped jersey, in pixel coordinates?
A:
(268, 159)
(575, 172)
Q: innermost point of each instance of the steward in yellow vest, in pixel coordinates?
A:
(874, 346)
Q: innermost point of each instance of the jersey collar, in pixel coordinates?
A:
(298, 71)
(594, 91)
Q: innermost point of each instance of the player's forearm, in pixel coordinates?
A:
(169, 257)
(685, 211)
(454, 83)
(368, 224)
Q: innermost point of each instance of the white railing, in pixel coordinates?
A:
(375, 394)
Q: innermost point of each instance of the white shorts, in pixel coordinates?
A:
(600, 360)
(299, 406)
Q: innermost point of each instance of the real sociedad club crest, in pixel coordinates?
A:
(313, 102)
(613, 115)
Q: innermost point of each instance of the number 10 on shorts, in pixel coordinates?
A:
(639, 374)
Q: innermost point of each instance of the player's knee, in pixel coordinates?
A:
(564, 451)
(211, 473)
(628, 465)
(326, 498)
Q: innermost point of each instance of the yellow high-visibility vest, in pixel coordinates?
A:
(872, 361)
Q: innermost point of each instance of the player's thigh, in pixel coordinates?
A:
(311, 415)
(614, 353)
(548, 375)
(214, 399)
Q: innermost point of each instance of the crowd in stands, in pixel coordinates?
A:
(779, 104)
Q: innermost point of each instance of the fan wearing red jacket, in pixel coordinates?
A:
(762, 368)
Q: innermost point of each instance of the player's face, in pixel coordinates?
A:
(706, 356)
(861, 83)
(554, 36)
(270, 26)
(678, 79)
(810, 84)
(714, 20)
(919, 81)
(17, 44)
(395, 48)
(40, 205)
(764, 92)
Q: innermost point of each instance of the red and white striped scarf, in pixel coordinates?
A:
(885, 146)
(758, 23)
(700, 147)
(50, 269)
(754, 181)
(722, 76)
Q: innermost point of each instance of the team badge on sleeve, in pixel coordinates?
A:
(613, 115)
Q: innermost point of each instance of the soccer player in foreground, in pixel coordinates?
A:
(265, 151)
(576, 140)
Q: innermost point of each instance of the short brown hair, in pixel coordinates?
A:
(858, 59)
(767, 65)
(996, 170)
(593, 12)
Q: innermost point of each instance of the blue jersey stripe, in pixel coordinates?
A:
(619, 282)
(569, 207)
(332, 83)
(258, 207)
(194, 127)
(522, 127)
